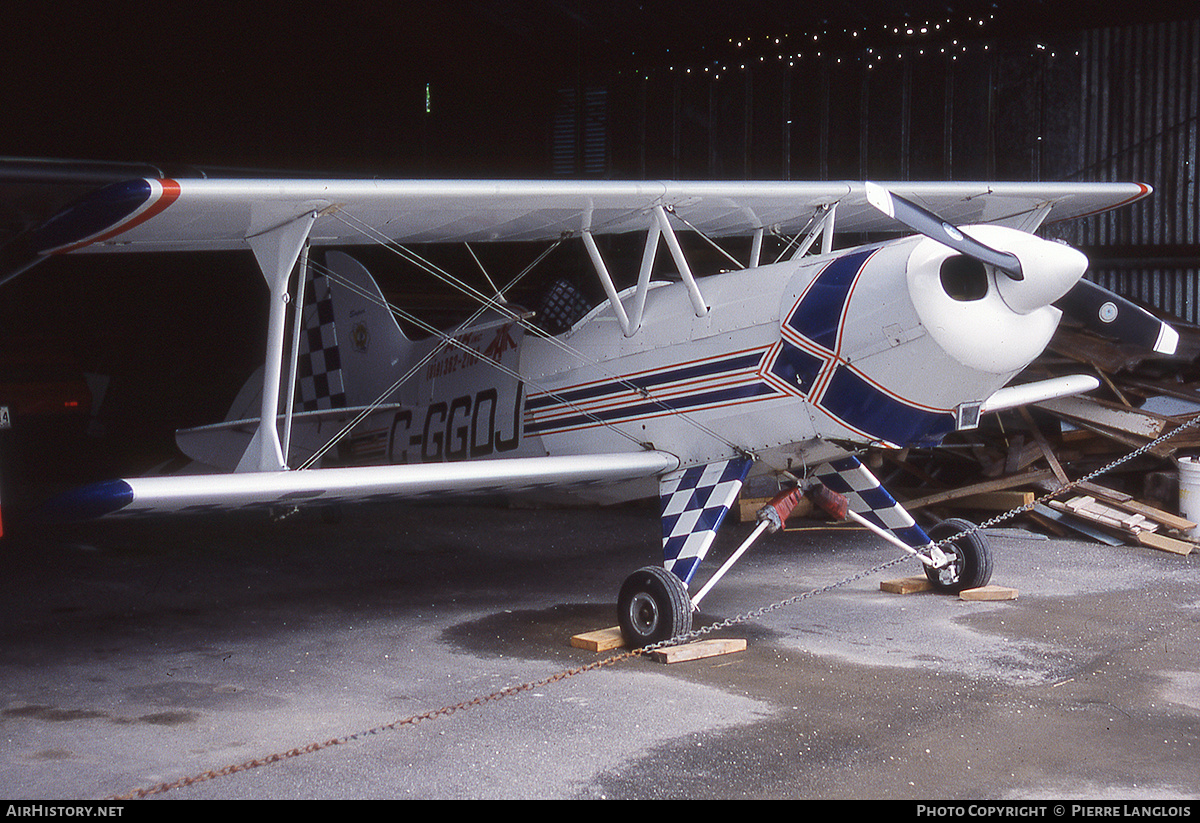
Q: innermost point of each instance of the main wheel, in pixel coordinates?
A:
(971, 563)
(653, 606)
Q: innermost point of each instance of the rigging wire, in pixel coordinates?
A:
(407, 254)
(445, 339)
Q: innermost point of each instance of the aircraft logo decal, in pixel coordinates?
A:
(501, 343)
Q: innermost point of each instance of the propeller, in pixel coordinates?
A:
(1111, 315)
(925, 222)
(1097, 308)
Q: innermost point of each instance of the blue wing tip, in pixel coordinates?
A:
(87, 502)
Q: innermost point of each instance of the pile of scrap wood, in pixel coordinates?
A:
(1021, 455)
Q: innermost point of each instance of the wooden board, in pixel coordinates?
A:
(1076, 524)
(1164, 543)
(1128, 503)
(1001, 501)
(906, 585)
(1104, 514)
(988, 593)
(698, 650)
(602, 640)
(1107, 415)
(999, 484)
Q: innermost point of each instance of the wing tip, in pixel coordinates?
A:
(87, 502)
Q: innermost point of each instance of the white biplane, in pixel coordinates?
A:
(680, 387)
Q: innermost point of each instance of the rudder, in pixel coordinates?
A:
(351, 346)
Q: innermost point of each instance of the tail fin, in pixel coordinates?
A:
(351, 348)
(351, 352)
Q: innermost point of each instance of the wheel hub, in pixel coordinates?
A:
(644, 612)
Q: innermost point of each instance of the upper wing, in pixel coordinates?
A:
(216, 214)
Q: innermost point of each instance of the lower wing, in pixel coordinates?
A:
(213, 492)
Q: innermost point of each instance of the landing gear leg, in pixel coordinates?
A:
(653, 606)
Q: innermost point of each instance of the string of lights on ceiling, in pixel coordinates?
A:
(871, 46)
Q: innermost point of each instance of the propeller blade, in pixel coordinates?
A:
(925, 222)
(1113, 316)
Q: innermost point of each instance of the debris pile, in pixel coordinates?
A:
(1018, 456)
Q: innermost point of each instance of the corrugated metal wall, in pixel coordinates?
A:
(1109, 104)
(1140, 99)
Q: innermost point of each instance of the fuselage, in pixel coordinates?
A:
(789, 358)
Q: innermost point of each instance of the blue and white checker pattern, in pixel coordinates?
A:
(694, 502)
(320, 368)
(848, 477)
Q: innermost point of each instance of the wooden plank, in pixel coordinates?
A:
(906, 585)
(1076, 524)
(601, 640)
(1128, 503)
(999, 484)
(1089, 508)
(1171, 521)
(698, 650)
(1164, 543)
(1047, 452)
(988, 593)
(994, 501)
(1096, 490)
(1108, 415)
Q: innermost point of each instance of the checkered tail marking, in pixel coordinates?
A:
(694, 502)
(320, 369)
(869, 499)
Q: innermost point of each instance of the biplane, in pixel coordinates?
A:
(679, 385)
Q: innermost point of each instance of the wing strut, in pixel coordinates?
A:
(276, 250)
(631, 321)
(822, 226)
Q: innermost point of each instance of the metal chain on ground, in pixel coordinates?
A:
(411, 720)
(508, 691)
(746, 617)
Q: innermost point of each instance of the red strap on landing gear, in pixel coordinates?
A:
(777, 511)
(830, 502)
(784, 502)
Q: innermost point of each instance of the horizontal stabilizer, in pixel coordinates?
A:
(219, 492)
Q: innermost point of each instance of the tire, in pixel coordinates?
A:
(653, 606)
(972, 566)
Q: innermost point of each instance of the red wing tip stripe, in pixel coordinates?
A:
(162, 193)
(1143, 190)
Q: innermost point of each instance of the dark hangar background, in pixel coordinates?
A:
(767, 90)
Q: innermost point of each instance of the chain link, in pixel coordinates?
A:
(703, 631)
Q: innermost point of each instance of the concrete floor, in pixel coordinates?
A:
(142, 652)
